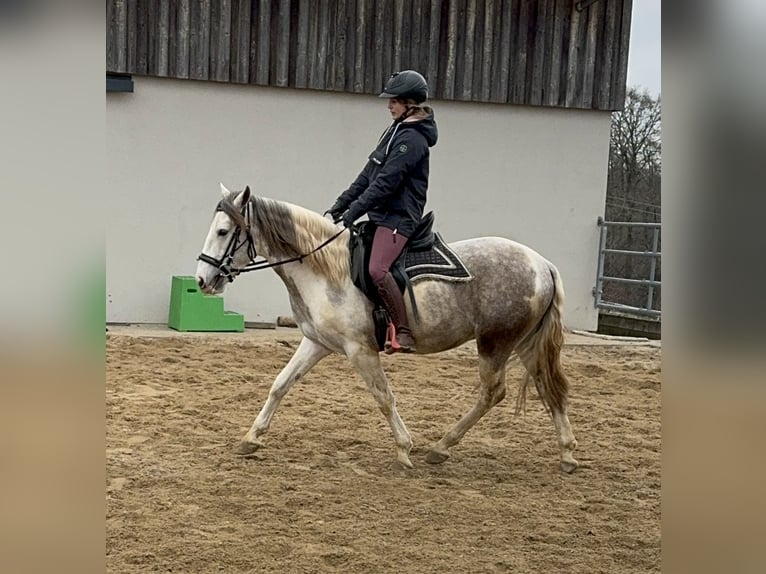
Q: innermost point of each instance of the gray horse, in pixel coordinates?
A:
(511, 306)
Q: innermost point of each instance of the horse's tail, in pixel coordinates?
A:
(540, 352)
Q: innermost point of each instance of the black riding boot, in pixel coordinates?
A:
(394, 302)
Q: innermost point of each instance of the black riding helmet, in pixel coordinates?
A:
(408, 85)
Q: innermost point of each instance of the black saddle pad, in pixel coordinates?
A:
(438, 262)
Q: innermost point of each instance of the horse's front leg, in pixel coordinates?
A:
(367, 363)
(308, 354)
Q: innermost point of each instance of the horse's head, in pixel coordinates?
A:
(229, 243)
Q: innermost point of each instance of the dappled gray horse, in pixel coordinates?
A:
(511, 306)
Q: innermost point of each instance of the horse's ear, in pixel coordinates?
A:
(241, 198)
(226, 192)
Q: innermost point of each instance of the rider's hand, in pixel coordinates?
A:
(348, 219)
(336, 211)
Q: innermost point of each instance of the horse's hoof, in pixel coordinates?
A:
(436, 457)
(569, 466)
(246, 448)
(404, 460)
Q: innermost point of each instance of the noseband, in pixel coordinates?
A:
(224, 264)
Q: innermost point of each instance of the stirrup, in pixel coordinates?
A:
(392, 345)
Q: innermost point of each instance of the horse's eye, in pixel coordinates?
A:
(222, 232)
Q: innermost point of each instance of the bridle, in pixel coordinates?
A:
(224, 264)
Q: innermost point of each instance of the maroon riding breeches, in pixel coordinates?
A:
(386, 247)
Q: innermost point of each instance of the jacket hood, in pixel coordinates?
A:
(426, 126)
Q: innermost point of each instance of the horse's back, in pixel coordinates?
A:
(483, 255)
(511, 288)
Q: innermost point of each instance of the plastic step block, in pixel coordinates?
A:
(192, 310)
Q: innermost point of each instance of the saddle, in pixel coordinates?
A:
(425, 256)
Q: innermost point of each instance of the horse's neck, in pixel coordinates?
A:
(286, 231)
(273, 223)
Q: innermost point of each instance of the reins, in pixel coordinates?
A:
(258, 265)
(224, 264)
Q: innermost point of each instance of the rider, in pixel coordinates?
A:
(391, 190)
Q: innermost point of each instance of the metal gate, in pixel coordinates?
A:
(650, 282)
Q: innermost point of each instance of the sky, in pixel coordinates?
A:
(644, 57)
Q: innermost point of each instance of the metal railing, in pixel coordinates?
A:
(651, 282)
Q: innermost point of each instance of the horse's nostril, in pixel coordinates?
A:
(200, 282)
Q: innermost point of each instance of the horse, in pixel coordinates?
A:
(511, 307)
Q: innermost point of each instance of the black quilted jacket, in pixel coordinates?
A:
(393, 185)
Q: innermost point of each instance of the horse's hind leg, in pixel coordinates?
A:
(552, 386)
(567, 442)
(308, 354)
(367, 363)
(491, 392)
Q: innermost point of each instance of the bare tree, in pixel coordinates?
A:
(635, 159)
(633, 191)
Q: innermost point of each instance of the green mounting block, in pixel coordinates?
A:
(192, 310)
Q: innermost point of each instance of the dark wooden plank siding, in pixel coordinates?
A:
(199, 40)
(172, 37)
(504, 53)
(359, 33)
(534, 52)
(239, 65)
(386, 30)
(609, 54)
(489, 46)
(592, 44)
(163, 39)
(302, 53)
(435, 33)
(221, 47)
(132, 35)
(112, 36)
(556, 58)
(282, 48)
(262, 41)
(151, 40)
(621, 65)
(573, 82)
(539, 38)
(137, 44)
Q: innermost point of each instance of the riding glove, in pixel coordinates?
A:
(354, 212)
(336, 211)
(348, 219)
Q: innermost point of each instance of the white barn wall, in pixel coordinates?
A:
(537, 175)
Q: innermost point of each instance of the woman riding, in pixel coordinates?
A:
(391, 190)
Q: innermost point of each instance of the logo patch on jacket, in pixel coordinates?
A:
(402, 148)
